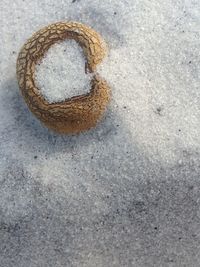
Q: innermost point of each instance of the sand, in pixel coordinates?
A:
(127, 192)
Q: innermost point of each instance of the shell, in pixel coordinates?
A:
(75, 114)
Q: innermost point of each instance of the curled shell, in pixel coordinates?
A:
(75, 114)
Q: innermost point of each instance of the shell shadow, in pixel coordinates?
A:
(31, 132)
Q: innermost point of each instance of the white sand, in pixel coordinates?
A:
(125, 193)
(61, 74)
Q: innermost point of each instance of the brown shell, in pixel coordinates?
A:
(75, 114)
